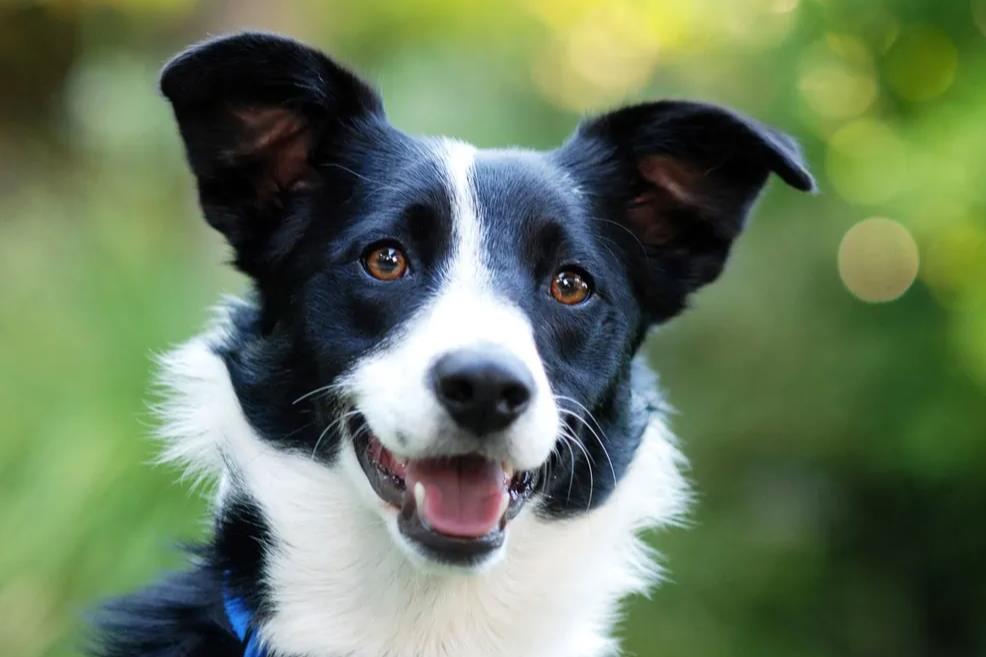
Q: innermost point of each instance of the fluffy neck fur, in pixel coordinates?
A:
(339, 586)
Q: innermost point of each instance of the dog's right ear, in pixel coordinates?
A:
(252, 110)
(679, 178)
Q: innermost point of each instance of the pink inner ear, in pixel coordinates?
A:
(673, 185)
(677, 180)
(279, 138)
(650, 224)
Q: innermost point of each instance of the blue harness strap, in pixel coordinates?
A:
(239, 618)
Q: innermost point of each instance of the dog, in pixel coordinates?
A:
(428, 428)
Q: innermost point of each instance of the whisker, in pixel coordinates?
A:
(571, 472)
(595, 435)
(643, 249)
(571, 435)
(328, 427)
(364, 428)
(314, 392)
(599, 440)
(592, 483)
(347, 170)
(546, 468)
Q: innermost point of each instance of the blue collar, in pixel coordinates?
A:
(239, 618)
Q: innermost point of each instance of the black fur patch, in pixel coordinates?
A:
(183, 615)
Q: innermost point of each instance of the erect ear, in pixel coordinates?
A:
(252, 110)
(681, 177)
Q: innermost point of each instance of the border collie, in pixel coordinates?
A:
(428, 430)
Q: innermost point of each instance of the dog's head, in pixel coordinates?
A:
(451, 327)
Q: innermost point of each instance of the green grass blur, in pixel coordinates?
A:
(832, 404)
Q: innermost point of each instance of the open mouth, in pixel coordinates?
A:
(456, 508)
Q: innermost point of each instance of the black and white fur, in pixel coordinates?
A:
(297, 166)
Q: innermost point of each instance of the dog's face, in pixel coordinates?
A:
(460, 323)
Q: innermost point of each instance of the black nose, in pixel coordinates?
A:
(483, 390)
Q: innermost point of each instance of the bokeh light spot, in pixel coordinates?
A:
(758, 23)
(784, 6)
(836, 91)
(878, 260)
(837, 79)
(867, 162)
(921, 64)
(600, 56)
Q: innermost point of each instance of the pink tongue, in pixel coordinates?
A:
(462, 496)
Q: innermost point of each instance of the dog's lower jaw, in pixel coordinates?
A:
(336, 583)
(340, 585)
(552, 591)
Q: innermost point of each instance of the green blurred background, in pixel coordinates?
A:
(831, 390)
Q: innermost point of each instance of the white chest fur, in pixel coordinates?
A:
(343, 589)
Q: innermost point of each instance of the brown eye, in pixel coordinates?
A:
(570, 287)
(385, 263)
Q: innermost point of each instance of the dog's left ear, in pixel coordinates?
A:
(681, 177)
(253, 109)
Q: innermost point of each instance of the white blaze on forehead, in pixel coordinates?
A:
(468, 262)
(391, 387)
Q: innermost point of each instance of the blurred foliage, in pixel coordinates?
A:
(839, 446)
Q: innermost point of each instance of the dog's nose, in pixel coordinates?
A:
(483, 390)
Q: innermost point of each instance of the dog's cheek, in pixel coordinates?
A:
(577, 348)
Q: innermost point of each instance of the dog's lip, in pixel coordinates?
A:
(386, 474)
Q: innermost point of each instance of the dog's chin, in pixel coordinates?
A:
(446, 513)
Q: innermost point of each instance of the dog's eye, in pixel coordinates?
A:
(571, 286)
(385, 262)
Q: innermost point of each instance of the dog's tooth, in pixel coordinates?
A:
(504, 503)
(419, 495)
